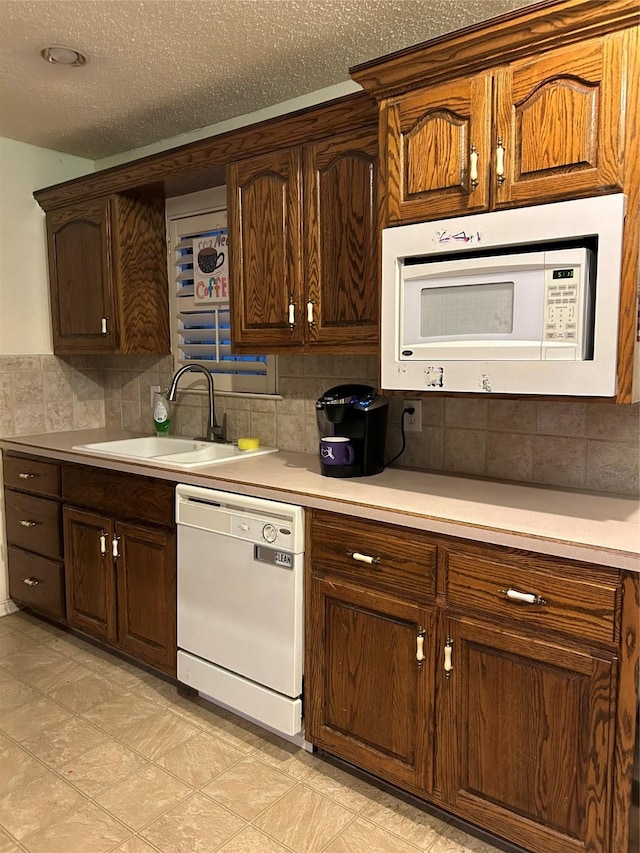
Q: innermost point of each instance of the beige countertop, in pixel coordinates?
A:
(590, 526)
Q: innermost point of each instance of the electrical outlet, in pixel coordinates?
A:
(413, 422)
(153, 390)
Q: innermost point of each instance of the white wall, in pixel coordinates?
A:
(25, 325)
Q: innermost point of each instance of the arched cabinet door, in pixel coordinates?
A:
(560, 123)
(438, 150)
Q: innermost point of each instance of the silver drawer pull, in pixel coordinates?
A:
(31, 581)
(363, 558)
(524, 597)
(26, 523)
(26, 476)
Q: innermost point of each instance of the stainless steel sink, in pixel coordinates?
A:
(181, 452)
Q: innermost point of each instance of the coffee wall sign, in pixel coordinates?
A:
(211, 268)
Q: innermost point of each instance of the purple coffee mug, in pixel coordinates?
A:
(336, 450)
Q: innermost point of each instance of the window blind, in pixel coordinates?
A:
(201, 330)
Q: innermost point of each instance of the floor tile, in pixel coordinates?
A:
(406, 821)
(364, 837)
(197, 824)
(15, 693)
(36, 804)
(61, 743)
(56, 675)
(285, 756)
(102, 767)
(158, 734)
(348, 790)
(120, 713)
(21, 663)
(6, 842)
(143, 797)
(84, 693)
(16, 766)
(249, 787)
(304, 820)
(36, 716)
(200, 759)
(460, 842)
(251, 840)
(88, 829)
(135, 845)
(13, 641)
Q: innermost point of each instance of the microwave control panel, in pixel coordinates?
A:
(562, 304)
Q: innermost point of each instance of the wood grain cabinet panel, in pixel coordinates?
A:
(33, 523)
(36, 582)
(303, 241)
(120, 561)
(108, 276)
(526, 737)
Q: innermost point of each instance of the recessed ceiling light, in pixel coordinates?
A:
(57, 54)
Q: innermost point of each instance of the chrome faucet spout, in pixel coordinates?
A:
(214, 431)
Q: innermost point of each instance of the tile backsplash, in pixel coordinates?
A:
(585, 445)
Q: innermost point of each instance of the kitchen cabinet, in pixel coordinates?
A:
(108, 275)
(120, 562)
(544, 128)
(34, 534)
(303, 238)
(371, 643)
(509, 719)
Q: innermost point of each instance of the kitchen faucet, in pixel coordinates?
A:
(214, 432)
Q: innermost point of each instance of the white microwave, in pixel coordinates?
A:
(522, 301)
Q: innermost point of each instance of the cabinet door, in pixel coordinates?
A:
(264, 198)
(341, 243)
(526, 730)
(560, 117)
(368, 698)
(146, 570)
(90, 575)
(81, 278)
(431, 136)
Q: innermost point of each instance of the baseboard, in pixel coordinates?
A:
(7, 606)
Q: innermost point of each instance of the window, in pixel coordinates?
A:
(200, 317)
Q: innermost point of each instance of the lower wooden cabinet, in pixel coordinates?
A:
(527, 728)
(120, 562)
(513, 720)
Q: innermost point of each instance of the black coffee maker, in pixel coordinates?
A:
(359, 414)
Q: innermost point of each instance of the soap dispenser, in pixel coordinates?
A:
(161, 413)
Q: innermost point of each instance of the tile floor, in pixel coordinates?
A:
(97, 755)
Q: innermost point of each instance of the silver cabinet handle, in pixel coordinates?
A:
(500, 161)
(363, 558)
(310, 319)
(473, 170)
(26, 523)
(420, 646)
(114, 547)
(292, 314)
(103, 325)
(26, 476)
(448, 664)
(524, 597)
(31, 581)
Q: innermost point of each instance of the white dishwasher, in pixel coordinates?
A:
(240, 605)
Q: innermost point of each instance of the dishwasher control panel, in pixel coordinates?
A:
(255, 520)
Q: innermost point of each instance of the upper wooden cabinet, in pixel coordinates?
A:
(108, 276)
(303, 237)
(544, 128)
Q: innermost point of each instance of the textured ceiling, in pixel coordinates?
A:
(160, 68)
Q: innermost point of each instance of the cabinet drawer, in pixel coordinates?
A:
(569, 597)
(31, 475)
(33, 523)
(404, 560)
(36, 582)
(129, 496)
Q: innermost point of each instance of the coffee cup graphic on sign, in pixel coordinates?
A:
(336, 450)
(210, 260)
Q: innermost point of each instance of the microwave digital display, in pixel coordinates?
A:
(563, 273)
